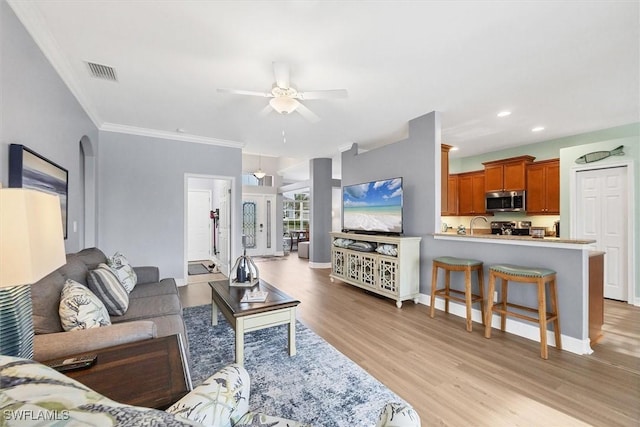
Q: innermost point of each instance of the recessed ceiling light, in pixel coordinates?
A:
(454, 149)
(504, 113)
(537, 129)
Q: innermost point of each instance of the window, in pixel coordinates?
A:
(296, 212)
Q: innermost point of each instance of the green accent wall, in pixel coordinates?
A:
(568, 149)
(546, 149)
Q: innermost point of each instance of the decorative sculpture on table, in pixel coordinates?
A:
(246, 271)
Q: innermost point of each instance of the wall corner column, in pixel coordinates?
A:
(320, 212)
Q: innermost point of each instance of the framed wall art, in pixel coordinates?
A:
(28, 169)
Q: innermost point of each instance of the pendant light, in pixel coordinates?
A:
(259, 173)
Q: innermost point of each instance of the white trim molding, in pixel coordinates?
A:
(133, 130)
(319, 264)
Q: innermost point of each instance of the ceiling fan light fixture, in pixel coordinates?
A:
(283, 104)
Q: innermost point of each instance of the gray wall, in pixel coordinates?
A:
(567, 263)
(142, 196)
(320, 211)
(415, 159)
(37, 110)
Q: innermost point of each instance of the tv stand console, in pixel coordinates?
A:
(396, 276)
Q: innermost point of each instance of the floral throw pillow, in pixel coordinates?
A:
(80, 308)
(123, 270)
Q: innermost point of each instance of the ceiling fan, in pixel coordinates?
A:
(286, 99)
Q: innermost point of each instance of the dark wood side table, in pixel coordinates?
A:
(152, 373)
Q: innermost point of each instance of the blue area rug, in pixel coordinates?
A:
(319, 385)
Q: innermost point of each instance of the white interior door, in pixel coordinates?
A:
(602, 215)
(224, 229)
(258, 223)
(198, 225)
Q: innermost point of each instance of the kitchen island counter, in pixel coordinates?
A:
(555, 242)
(569, 258)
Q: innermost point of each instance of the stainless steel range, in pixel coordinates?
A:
(515, 228)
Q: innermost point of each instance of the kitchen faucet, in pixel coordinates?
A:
(473, 220)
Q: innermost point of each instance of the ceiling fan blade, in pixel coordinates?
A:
(323, 94)
(265, 111)
(281, 73)
(307, 113)
(246, 92)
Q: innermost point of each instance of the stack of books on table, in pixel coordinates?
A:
(255, 296)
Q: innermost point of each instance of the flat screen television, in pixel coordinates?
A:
(373, 207)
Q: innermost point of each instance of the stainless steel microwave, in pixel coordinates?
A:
(505, 201)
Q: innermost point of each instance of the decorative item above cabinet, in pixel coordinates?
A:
(506, 174)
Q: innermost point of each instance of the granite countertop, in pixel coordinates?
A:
(482, 235)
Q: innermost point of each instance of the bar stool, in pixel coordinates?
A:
(449, 264)
(532, 276)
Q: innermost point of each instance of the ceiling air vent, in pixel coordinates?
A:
(104, 72)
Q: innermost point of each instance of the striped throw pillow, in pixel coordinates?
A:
(106, 285)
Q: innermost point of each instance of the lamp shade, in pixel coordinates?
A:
(31, 239)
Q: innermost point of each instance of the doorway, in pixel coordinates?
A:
(199, 225)
(258, 224)
(207, 221)
(602, 214)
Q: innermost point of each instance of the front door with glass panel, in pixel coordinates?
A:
(258, 224)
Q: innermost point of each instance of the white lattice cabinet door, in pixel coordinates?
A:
(388, 275)
(394, 274)
(338, 261)
(353, 266)
(368, 273)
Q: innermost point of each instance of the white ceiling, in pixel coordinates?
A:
(570, 66)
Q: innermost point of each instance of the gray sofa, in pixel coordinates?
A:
(154, 310)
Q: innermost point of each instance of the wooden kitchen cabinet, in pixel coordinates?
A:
(506, 174)
(596, 295)
(444, 179)
(471, 200)
(543, 187)
(452, 202)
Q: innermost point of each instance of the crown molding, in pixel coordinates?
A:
(30, 16)
(175, 136)
(345, 147)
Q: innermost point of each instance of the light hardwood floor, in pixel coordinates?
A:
(456, 378)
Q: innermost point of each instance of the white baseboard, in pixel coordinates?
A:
(320, 264)
(529, 331)
(181, 282)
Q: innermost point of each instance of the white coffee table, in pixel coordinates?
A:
(278, 309)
